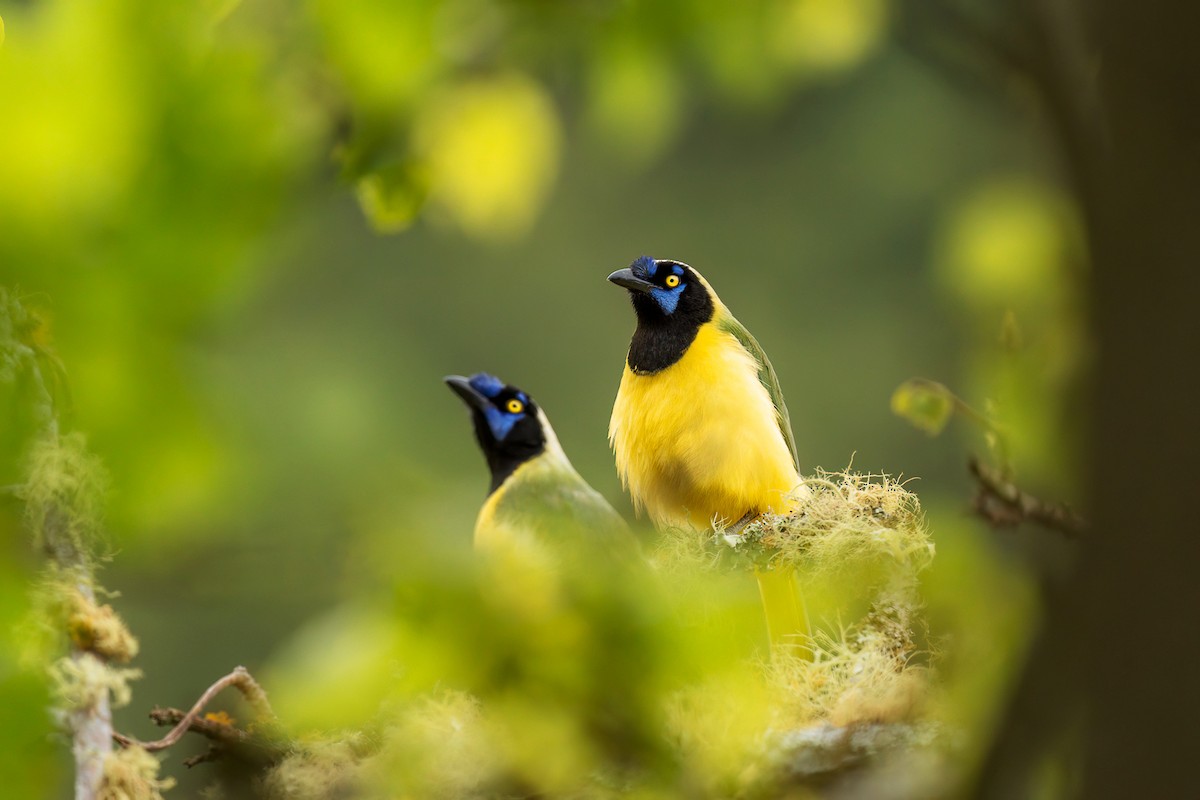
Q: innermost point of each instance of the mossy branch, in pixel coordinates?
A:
(845, 519)
(929, 405)
(56, 524)
(62, 491)
(861, 531)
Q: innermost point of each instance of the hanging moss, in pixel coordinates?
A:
(315, 771)
(439, 746)
(62, 603)
(132, 774)
(434, 746)
(81, 682)
(64, 498)
(98, 629)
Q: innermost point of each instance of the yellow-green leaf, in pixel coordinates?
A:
(391, 197)
(926, 404)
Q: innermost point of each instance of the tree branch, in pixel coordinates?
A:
(90, 724)
(226, 739)
(211, 754)
(1003, 504)
(241, 679)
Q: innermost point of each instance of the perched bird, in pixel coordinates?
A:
(537, 503)
(699, 427)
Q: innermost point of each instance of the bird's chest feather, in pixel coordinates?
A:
(701, 437)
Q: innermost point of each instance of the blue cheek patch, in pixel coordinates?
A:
(668, 299)
(501, 422)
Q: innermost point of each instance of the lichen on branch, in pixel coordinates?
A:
(848, 519)
(132, 774)
(63, 493)
(865, 534)
(62, 486)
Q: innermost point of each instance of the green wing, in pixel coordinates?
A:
(766, 376)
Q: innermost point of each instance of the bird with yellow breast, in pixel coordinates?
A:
(699, 428)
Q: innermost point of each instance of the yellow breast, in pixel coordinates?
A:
(700, 439)
(489, 533)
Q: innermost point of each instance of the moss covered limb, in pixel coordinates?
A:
(62, 488)
(862, 537)
(846, 520)
(62, 514)
(91, 726)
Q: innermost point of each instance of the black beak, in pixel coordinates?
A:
(462, 387)
(626, 278)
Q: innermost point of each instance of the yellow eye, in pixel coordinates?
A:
(515, 406)
(672, 281)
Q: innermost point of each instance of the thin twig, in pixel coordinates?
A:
(211, 754)
(992, 429)
(239, 678)
(1002, 503)
(210, 729)
(225, 739)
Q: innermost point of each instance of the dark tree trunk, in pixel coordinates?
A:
(1139, 608)
(1119, 651)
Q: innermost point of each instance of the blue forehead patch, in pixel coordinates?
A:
(487, 385)
(644, 266)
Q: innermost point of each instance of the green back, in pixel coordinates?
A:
(766, 376)
(556, 502)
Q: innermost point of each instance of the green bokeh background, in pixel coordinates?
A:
(258, 263)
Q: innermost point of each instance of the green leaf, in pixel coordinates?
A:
(926, 404)
(391, 197)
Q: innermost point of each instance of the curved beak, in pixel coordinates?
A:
(626, 278)
(462, 387)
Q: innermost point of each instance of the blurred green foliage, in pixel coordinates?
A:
(190, 196)
(926, 404)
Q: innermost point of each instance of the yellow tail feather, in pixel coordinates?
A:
(783, 605)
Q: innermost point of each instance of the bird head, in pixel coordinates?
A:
(508, 424)
(672, 302)
(663, 290)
